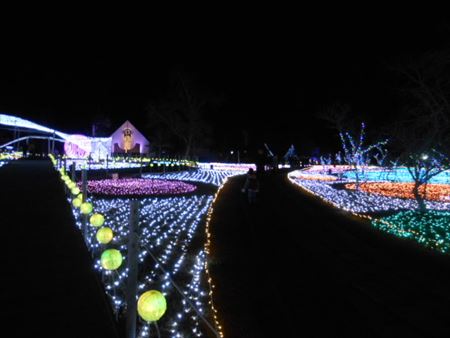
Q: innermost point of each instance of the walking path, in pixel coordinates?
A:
(49, 288)
(293, 267)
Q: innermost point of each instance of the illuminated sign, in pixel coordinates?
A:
(78, 146)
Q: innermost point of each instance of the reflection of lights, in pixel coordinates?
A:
(78, 146)
(424, 157)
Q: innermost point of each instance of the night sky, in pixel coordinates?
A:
(274, 76)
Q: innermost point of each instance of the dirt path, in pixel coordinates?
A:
(49, 288)
(293, 267)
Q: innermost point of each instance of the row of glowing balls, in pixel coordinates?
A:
(151, 304)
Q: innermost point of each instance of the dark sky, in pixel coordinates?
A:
(274, 75)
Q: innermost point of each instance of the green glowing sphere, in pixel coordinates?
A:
(86, 208)
(77, 202)
(104, 235)
(71, 185)
(152, 305)
(97, 220)
(75, 191)
(111, 259)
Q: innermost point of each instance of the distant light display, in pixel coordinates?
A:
(138, 187)
(78, 146)
(215, 177)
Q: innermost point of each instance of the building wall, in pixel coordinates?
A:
(127, 139)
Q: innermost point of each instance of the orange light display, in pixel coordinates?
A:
(434, 192)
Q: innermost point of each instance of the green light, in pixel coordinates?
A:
(430, 228)
(97, 220)
(111, 259)
(75, 191)
(152, 305)
(104, 235)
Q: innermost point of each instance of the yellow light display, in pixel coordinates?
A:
(104, 235)
(86, 208)
(152, 305)
(77, 202)
(111, 259)
(97, 220)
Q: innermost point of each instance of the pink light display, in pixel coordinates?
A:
(139, 187)
(78, 146)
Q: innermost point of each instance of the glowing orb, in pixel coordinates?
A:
(97, 220)
(152, 305)
(71, 185)
(111, 259)
(86, 208)
(78, 146)
(77, 202)
(75, 191)
(104, 235)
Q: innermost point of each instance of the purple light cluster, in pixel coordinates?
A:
(138, 187)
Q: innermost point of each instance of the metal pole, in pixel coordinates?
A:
(84, 191)
(132, 269)
(72, 171)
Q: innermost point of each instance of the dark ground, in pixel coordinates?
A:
(48, 286)
(293, 267)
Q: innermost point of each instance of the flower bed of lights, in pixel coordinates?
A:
(434, 192)
(171, 230)
(244, 167)
(313, 176)
(215, 177)
(358, 201)
(173, 247)
(429, 228)
(138, 187)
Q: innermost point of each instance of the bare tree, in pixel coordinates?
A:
(336, 115)
(423, 135)
(356, 152)
(182, 114)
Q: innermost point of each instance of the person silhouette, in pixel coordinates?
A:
(251, 186)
